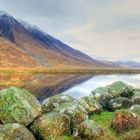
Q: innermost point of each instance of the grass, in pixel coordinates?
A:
(104, 120)
(67, 70)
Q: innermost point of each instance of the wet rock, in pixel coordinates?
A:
(18, 106)
(15, 131)
(90, 105)
(53, 102)
(76, 113)
(50, 126)
(135, 109)
(120, 89)
(136, 97)
(124, 121)
(90, 130)
(119, 103)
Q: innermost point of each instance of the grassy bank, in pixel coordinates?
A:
(68, 70)
(104, 120)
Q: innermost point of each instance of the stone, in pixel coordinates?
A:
(54, 101)
(136, 97)
(124, 121)
(119, 103)
(90, 130)
(75, 111)
(18, 106)
(50, 126)
(120, 89)
(135, 109)
(98, 92)
(15, 131)
(90, 104)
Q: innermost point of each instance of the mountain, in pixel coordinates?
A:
(131, 64)
(25, 45)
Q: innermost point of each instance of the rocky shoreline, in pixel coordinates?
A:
(22, 117)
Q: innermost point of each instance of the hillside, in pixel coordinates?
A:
(30, 47)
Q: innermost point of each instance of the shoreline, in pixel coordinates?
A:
(70, 70)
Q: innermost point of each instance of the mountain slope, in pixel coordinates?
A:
(131, 64)
(41, 48)
(11, 55)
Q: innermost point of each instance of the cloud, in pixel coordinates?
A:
(114, 45)
(101, 28)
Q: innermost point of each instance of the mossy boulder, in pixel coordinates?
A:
(124, 121)
(53, 102)
(18, 106)
(90, 130)
(98, 92)
(135, 109)
(120, 89)
(102, 95)
(90, 104)
(15, 131)
(119, 103)
(136, 97)
(75, 111)
(50, 126)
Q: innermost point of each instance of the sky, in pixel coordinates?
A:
(103, 29)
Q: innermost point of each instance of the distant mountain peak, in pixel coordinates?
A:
(44, 49)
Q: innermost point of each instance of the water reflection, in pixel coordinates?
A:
(45, 85)
(85, 88)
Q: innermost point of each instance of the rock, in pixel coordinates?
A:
(104, 99)
(90, 130)
(90, 105)
(120, 89)
(119, 103)
(50, 104)
(124, 121)
(15, 131)
(102, 95)
(18, 106)
(98, 92)
(50, 126)
(76, 113)
(136, 97)
(135, 109)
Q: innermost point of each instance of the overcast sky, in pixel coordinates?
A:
(104, 29)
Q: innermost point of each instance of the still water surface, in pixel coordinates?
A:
(85, 88)
(43, 86)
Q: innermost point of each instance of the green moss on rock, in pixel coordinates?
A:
(90, 130)
(51, 126)
(76, 113)
(15, 131)
(53, 102)
(120, 89)
(90, 104)
(18, 106)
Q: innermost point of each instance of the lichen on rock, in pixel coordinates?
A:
(15, 131)
(18, 106)
(50, 126)
(54, 101)
(90, 130)
(90, 104)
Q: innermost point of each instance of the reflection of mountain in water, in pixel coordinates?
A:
(43, 86)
